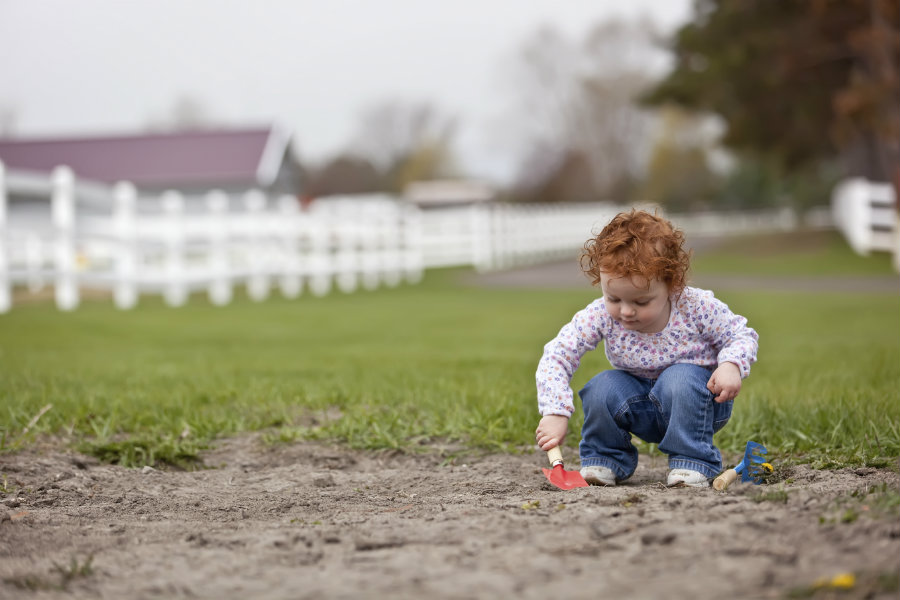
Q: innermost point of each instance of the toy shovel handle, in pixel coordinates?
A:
(554, 455)
(725, 479)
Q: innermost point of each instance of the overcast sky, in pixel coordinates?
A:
(113, 66)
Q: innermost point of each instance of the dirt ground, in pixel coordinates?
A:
(313, 521)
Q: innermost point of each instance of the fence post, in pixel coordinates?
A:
(392, 265)
(124, 205)
(289, 224)
(347, 257)
(851, 209)
(481, 237)
(411, 240)
(5, 287)
(63, 214)
(500, 236)
(258, 280)
(175, 291)
(219, 291)
(371, 247)
(34, 262)
(896, 243)
(320, 264)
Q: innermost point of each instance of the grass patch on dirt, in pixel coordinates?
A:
(877, 502)
(413, 368)
(59, 580)
(852, 585)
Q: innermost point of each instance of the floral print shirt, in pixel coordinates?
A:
(701, 331)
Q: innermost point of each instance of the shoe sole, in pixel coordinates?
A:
(600, 482)
(683, 484)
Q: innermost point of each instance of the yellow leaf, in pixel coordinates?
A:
(844, 581)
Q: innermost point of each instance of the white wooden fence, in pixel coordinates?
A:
(500, 236)
(100, 237)
(75, 235)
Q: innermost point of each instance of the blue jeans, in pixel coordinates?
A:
(675, 411)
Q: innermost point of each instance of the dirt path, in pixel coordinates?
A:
(311, 521)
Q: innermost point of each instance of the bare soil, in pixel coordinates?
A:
(314, 521)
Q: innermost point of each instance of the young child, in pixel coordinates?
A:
(678, 357)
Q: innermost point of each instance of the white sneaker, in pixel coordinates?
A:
(595, 475)
(686, 478)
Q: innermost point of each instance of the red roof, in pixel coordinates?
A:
(159, 159)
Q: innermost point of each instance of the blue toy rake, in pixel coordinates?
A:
(752, 468)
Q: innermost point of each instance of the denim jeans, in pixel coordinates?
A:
(675, 411)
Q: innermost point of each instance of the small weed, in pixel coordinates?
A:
(31, 582)
(889, 582)
(74, 570)
(863, 585)
(777, 496)
(876, 502)
(285, 435)
(10, 443)
(850, 515)
(632, 500)
(774, 471)
(66, 574)
(887, 500)
(139, 452)
(531, 505)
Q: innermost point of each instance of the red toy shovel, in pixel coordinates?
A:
(558, 476)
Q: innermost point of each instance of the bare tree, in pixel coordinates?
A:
(407, 141)
(578, 99)
(680, 174)
(8, 120)
(344, 174)
(185, 113)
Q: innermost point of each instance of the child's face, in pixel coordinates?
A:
(634, 305)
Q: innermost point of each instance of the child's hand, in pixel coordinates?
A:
(725, 382)
(551, 431)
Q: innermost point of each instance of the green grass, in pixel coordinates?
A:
(807, 254)
(826, 381)
(413, 368)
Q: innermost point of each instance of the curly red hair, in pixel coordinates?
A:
(637, 244)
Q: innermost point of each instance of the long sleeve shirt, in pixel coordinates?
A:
(701, 331)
